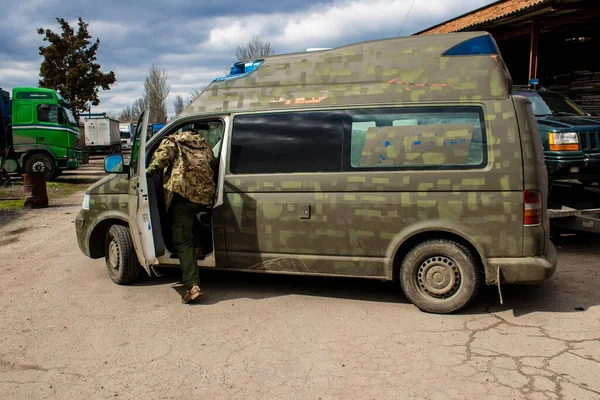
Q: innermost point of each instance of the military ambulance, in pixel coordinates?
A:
(402, 159)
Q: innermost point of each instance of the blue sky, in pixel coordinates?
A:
(196, 40)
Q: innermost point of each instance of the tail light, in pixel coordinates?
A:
(532, 207)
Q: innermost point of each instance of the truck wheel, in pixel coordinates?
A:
(41, 163)
(440, 276)
(119, 254)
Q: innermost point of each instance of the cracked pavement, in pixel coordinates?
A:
(68, 332)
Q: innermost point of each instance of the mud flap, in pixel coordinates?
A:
(498, 283)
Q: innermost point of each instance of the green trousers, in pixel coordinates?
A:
(183, 213)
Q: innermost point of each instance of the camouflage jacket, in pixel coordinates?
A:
(189, 160)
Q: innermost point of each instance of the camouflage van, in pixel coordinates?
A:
(401, 159)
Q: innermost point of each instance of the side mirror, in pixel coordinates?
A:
(114, 164)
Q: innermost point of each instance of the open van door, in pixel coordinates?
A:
(140, 223)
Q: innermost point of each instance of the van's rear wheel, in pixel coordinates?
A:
(119, 254)
(440, 276)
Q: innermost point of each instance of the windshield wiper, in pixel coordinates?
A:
(563, 113)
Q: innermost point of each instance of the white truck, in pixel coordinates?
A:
(126, 131)
(102, 135)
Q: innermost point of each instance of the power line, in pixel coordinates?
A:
(406, 17)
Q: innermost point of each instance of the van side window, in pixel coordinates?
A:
(307, 141)
(47, 113)
(415, 138)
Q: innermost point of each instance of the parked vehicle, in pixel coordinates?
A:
(401, 159)
(570, 136)
(126, 131)
(38, 133)
(157, 127)
(102, 135)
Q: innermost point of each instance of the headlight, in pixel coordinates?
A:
(560, 141)
(86, 202)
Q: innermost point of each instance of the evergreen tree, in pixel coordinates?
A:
(70, 66)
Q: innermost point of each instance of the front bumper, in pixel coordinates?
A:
(588, 167)
(72, 161)
(523, 270)
(99, 148)
(82, 232)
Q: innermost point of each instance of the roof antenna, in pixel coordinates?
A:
(410, 8)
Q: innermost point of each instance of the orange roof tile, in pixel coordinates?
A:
(489, 13)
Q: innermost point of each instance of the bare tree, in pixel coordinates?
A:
(126, 114)
(195, 93)
(157, 89)
(178, 104)
(138, 107)
(255, 48)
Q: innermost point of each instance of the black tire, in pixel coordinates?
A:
(119, 255)
(440, 276)
(41, 163)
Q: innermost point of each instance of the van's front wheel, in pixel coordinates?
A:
(119, 254)
(440, 276)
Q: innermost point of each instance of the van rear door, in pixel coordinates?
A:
(536, 237)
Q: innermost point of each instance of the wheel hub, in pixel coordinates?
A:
(113, 255)
(439, 277)
(39, 166)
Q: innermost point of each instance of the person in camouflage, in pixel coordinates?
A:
(187, 160)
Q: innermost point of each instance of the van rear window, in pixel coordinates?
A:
(427, 138)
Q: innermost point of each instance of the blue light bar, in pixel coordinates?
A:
(480, 45)
(534, 82)
(241, 69)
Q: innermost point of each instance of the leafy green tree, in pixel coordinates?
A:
(70, 66)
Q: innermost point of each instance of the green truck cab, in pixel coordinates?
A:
(404, 159)
(42, 136)
(570, 136)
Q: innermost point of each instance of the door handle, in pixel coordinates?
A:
(304, 211)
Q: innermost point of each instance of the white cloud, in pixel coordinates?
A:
(19, 72)
(233, 31)
(108, 30)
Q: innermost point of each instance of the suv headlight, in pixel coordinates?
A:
(86, 202)
(561, 141)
